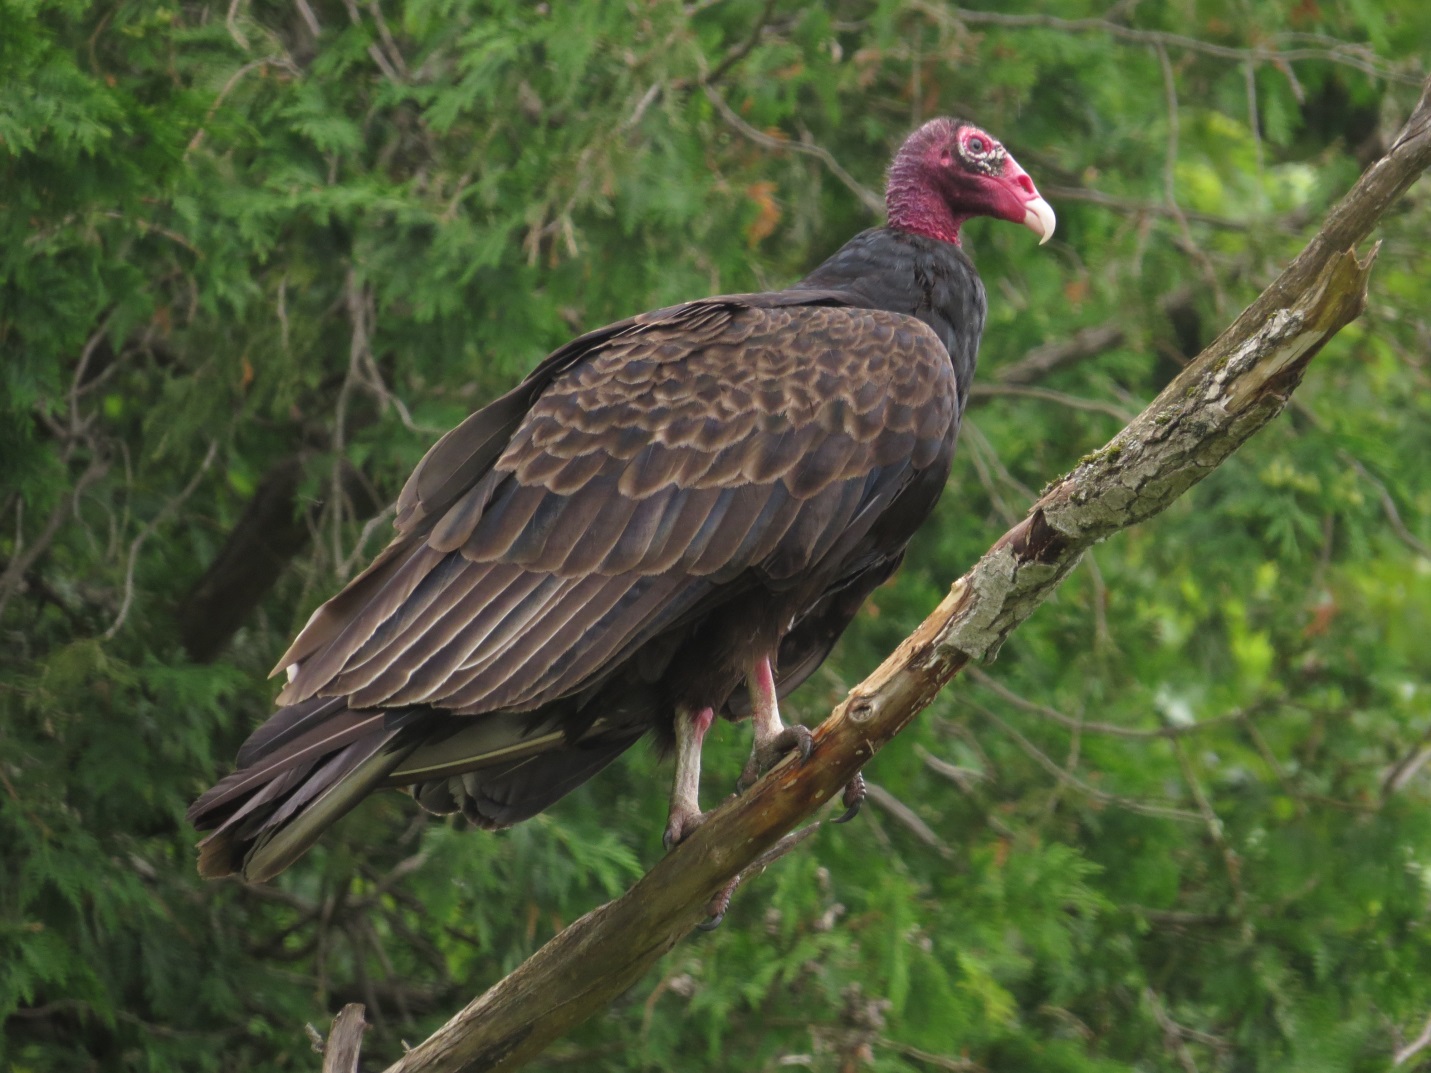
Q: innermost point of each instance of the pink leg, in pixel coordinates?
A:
(765, 704)
(773, 739)
(685, 814)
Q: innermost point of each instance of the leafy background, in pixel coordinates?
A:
(255, 256)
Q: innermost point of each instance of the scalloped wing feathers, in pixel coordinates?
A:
(672, 457)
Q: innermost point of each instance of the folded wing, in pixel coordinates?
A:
(728, 446)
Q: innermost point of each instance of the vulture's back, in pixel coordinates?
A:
(611, 540)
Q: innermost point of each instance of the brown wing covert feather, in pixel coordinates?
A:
(679, 453)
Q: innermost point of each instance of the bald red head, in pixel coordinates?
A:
(948, 171)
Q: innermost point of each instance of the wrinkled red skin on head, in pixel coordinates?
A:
(933, 188)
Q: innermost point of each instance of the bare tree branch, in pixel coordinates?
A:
(1045, 358)
(1290, 222)
(740, 51)
(1234, 388)
(15, 570)
(1415, 1047)
(907, 818)
(1063, 775)
(345, 1040)
(279, 61)
(1073, 402)
(1089, 342)
(868, 197)
(145, 533)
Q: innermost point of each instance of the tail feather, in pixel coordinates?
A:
(299, 779)
(353, 775)
(285, 725)
(305, 752)
(313, 762)
(288, 806)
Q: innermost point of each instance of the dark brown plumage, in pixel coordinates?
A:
(666, 508)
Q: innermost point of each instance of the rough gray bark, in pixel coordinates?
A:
(345, 1040)
(1234, 388)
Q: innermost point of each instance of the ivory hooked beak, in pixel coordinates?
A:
(1039, 218)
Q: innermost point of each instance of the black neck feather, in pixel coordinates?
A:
(884, 268)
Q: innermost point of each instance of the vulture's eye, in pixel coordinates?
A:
(976, 144)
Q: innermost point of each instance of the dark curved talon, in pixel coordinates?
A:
(715, 909)
(750, 774)
(720, 902)
(680, 827)
(795, 738)
(748, 777)
(853, 798)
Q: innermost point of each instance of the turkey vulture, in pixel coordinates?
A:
(673, 516)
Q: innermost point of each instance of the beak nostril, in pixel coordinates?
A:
(1027, 185)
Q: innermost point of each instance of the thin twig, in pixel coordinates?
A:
(21, 562)
(1073, 402)
(1171, 730)
(647, 99)
(1170, 196)
(907, 818)
(962, 777)
(394, 876)
(277, 61)
(981, 453)
(389, 44)
(1356, 56)
(1102, 636)
(81, 367)
(144, 534)
(149, 227)
(1388, 507)
(356, 303)
(740, 51)
(1056, 354)
(1289, 222)
(1254, 124)
(1232, 863)
(1059, 772)
(935, 1061)
(1406, 768)
(309, 18)
(375, 51)
(231, 23)
(871, 200)
(371, 526)
(1172, 1031)
(1415, 1047)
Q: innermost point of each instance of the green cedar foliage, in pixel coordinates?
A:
(273, 249)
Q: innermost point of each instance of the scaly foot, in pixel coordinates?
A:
(679, 825)
(764, 755)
